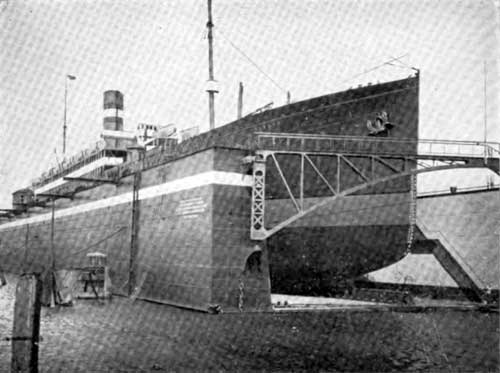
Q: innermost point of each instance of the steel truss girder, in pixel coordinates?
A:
(258, 230)
(258, 198)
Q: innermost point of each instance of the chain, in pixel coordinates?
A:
(412, 220)
(241, 295)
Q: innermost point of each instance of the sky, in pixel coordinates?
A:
(155, 52)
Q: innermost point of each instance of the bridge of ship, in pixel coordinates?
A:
(399, 158)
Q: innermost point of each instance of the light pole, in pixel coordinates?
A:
(68, 77)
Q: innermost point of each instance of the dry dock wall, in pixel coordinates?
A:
(470, 222)
(193, 238)
(241, 268)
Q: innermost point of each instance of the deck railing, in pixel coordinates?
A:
(376, 145)
(456, 190)
(71, 164)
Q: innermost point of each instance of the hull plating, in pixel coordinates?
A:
(194, 246)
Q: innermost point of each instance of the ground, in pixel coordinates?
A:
(126, 335)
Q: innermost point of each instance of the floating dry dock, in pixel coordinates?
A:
(293, 199)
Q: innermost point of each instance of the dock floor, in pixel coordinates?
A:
(138, 336)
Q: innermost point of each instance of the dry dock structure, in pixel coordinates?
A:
(293, 199)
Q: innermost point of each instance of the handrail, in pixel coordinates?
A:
(424, 146)
(373, 139)
(69, 164)
(478, 188)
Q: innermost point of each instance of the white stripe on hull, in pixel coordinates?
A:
(186, 183)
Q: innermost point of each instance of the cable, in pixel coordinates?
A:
(94, 244)
(398, 59)
(375, 67)
(252, 62)
(399, 66)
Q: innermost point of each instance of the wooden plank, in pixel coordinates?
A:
(26, 330)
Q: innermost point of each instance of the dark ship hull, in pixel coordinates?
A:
(186, 238)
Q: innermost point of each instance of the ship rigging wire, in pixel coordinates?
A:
(26, 249)
(252, 62)
(97, 243)
(376, 67)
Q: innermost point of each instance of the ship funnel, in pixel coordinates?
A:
(113, 121)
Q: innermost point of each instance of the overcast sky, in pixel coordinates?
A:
(155, 52)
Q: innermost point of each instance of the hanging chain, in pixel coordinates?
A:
(241, 295)
(412, 219)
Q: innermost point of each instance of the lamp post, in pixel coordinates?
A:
(68, 77)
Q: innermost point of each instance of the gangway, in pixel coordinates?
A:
(400, 157)
(426, 149)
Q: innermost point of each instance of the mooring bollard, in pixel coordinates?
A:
(26, 329)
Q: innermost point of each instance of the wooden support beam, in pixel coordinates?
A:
(91, 179)
(26, 330)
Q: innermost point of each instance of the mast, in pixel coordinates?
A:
(240, 101)
(485, 106)
(211, 86)
(65, 109)
(68, 77)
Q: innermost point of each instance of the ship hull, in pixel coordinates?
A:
(339, 241)
(186, 239)
(317, 260)
(194, 246)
